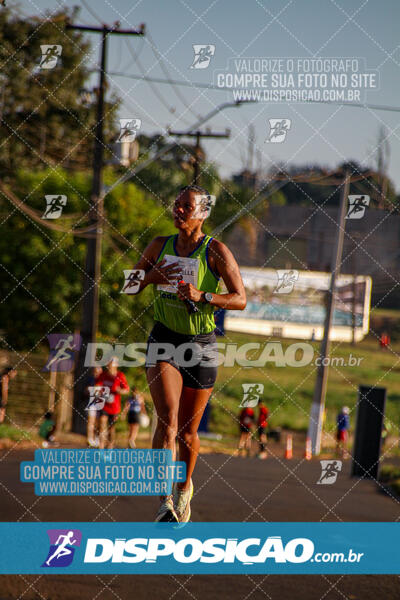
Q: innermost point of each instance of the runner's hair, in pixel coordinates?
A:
(193, 188)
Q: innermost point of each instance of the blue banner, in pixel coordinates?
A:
(58, 472)
(201, 548)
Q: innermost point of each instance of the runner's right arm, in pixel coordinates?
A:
(155, 273)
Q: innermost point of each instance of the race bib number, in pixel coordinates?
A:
(189, 268)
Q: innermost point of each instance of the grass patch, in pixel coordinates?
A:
(288, 391)
(389, 475)
(13, 433)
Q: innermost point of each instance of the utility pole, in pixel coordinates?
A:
(250, 151)
(318, 403)
(197, 151)
(92, 272)
(354, 294)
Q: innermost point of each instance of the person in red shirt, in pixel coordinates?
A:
(246, 422)
(262, 422)
(116, 381)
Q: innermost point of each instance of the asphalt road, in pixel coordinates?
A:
(226, 489)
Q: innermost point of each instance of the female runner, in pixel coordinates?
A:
(184, 313)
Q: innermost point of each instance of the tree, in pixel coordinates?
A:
(42, 269)
(45, 118)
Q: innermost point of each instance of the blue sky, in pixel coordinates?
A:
(322, 134)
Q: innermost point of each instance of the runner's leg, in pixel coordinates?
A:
(91, 420)
(103, 431)
(165, 383)
(191, 407)
(133, 431)
(248, 443)
(111, 436)
(242, 440)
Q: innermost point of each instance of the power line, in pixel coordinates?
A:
(35, 215)
(154, 89)
(92, 12)
(198, 84)
(132, 172)
(137, 53)
(176, 90)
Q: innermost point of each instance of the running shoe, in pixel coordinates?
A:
(166, 512)
(182, 500)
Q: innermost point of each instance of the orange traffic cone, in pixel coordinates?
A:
(289, 446)
(308, 452)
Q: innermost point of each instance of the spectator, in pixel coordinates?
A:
(116, 381)
(262, 423)
(92, 413)
(384, 340)
(343, 424)
(246, 422)
(47, 430)
(5, 378)
(134, 409)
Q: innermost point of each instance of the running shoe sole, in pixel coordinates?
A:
(168, 517)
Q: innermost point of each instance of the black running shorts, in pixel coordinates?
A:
(133, 417)
(194, 356)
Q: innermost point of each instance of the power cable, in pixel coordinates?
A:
(176, 90)
(154, 89)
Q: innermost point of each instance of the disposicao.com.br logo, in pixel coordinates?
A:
(191, 550)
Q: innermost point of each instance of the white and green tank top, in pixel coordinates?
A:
(172, 312)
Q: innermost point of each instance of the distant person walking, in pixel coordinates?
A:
(246, 423)
(92, 413)
(7, 374)
(47, 429)
(342, 432)
(262, 422)
(116, 381)
(384, 340)
(134, 409)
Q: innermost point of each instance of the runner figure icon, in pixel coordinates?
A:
(99, 395)
(64, 348)
(278, 129)
(128, 129)
(330, 471)
(286, 281)
(133, 277)
(62, 549)
(251, 394)
(50, 55)
(357, 206)
(55, 205)
(202, 55)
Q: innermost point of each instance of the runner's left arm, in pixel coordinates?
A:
(123, 387)
(224, 264)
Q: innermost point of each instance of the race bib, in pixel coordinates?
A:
(110, 399)
(189, 268)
